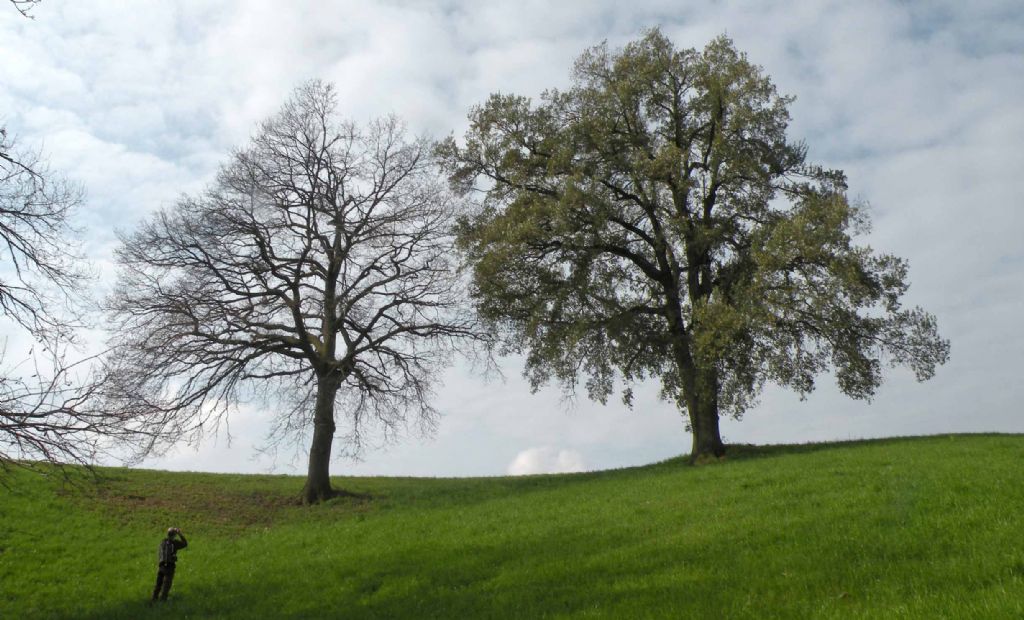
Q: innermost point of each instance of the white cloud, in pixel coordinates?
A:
(232, 448)
(546, 460)
(141, 101)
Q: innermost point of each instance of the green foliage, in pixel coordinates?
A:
(908, 528)
(655, 220)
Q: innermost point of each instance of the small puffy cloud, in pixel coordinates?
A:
(546, 460)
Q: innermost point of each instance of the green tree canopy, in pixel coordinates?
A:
(654, 220)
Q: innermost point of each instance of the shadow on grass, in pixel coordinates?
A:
(751, 451)
(558, 573)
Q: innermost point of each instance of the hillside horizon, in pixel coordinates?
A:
(899, 527)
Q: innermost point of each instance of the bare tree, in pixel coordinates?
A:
(51, 408)
(48, 405)
(316, 270)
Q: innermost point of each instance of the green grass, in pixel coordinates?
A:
(915, 528)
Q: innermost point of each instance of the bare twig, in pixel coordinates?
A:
(25, 6)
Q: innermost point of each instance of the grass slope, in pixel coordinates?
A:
(917, 528)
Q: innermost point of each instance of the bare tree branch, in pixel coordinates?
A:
(25, 6)
(41, 267)
(49, 406)
(55, 415)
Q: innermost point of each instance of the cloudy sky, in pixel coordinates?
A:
(922, 104)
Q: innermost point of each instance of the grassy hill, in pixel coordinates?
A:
(919, 528)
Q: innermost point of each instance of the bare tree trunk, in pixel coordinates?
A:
(318, 479)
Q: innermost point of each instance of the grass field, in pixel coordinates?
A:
(916, 528)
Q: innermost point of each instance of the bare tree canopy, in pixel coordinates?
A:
(316, 269)
(48, 405)
(41, 273)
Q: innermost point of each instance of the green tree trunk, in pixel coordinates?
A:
(318, 479)
(700, 395)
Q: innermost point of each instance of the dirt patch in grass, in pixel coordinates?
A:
(211, 505)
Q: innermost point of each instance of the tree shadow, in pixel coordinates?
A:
(751, 451)
(456, 581)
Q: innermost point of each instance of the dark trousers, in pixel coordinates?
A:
(164, 577)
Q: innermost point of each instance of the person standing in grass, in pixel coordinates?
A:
(167, 558)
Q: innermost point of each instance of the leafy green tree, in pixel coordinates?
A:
(655, 221)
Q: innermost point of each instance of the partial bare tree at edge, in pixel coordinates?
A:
(49, 405)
